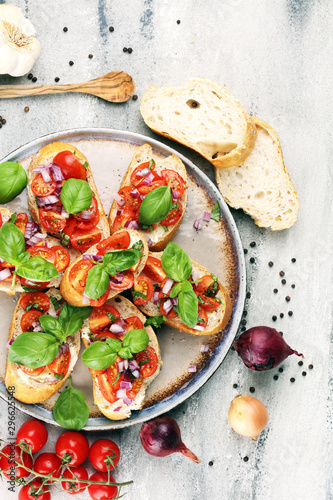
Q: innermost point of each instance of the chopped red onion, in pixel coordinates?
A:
(132, 224)
(30, 229)
(147, 181)
(37, 327)
(95, 258)
(167, 306)
(53, 379)
(133, 365)
(62, 349)
(37, 238)
(86, 214)
(143, 172)
(47, 200)
(174, 195)
(142, 196)
(204, 348)
(192, 369)
(135, 193)
(174, 301)
(206, 216)
(57, 173)
(119, 199)
(156, 295)
(125, 385)
(118, 408)
(64, 213)
(149, 241)
(52, 313)
(57, 191)
(197, 224)
(52, 208)
(128, 401)
(121, 366)
(46, 175)
(199, 328)
(196, 274)
(127, 375)
(167, 286)
(117, 279)
(5, 273)
(116, 328)
(85, 299)
(121, 393)
(136, 374)
(119, 212)
(39, 168)
(9, 343)
(126, 364)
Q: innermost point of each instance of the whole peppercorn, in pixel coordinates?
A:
(271, 264)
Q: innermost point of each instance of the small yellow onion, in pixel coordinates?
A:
(247, 416)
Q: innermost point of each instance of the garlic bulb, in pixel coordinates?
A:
(19, 48)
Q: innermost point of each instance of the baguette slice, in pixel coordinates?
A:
(217, 319)
(126, 309)
(204, 116)
(75, 298)
(261, 185)
(52, 242)
(33, 390)
(158, 236)
(44, 156)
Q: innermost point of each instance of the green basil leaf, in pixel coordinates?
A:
(34, 306)
(214, 288)
(51, 325)
(76, 195)
(156, 205)
(137, 245)
(125, 353)
(38, 269)
(13, 218)
(216, 212)
(120, 260)
(114, 344)
(97, 282)
(99, 356)
(156, 321)
(33, 349)
(188, 308)
(55, 303)
(175, 290)
(186, 286)
(71, 318)
(136, 295)
(136, 340)
(71, 410)
(12, 244)
(176, 263)
(13, 180)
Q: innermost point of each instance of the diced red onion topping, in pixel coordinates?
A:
(196, 274)
(132, 224)
(57, 191)
(136, 373)
(38, 170)
(197, 224)
(167, 306)
(192, 369)
(199, 328)
(125, 364)
(9, 343)
(52, 313)
(85, 299)
(34, 240)
(121, 393)
(135, 193)
(53, 207)
(127, 375)
(95, 258)
(64, 213)
(118, 408)
(57, 173)
(174, 195)
(119, 212)
(47, 200)
(86, 214)
(116, 328)
(46, 175)
(37, 327)
(5, 273)
(167, 286)
(117, 279)
(174, 301)
(125, 385)
(149, 241)
(204, 348)
(53, 379)
(206, 216)
(143, 172)
(62, 349)
(119, 199)
(128, 401)
(133, 365)
(147, 181)
(30, 229)
(120, 366)
(155, 295)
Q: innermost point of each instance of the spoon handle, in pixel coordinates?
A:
(8, 91)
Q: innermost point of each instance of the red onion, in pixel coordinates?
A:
(117, 279)
(132, 224)
(119, 212)
(136, 373)
(147, 181)
(118, 409)
(156, 295)
(125, 385)
(262, 348)
(149, 241)
(46, 175)
(174, 195)
(174, 301)
(85, 299)
(121, 393)
(192, 369)
(64, 213)
(133, 365)
(161, 437)
(196, 274)
(197, 224)
(47, 200)
(121, 366)
(86, 215)
(95, 258)
(143, 172)
(128, 401)
(167, 306)
(206, 216)
(57, 173)
(9, 343)
(167, 286)
(119, 199)
(199, 328)
(114, 328)
(5, 273)
(204, 348)
(135, 193)
(35, 239)
(30, 229)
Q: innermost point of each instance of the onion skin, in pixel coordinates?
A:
(247, 416)
(161, 437)
(263, 348)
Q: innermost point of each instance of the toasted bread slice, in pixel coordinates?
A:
(126, 310)
(217, 319)
(158, 236)
(45, 156)
(204, 116)
(74, 297)
(51, 242)
(29, 389)
(261, 185)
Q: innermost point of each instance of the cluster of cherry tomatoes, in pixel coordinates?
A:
(65, 465)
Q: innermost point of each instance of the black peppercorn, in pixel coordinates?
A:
(283, 281)
(274, 318)
(281, 315)
(90, 56)
(125, 49)
(276, 377)
(310, 367)
(71, 63)
(57, 79)
(135, 97)
(26, 109)
(293, 259)
(244, 313)
(293, 286)
(300, 363)
(248, 295)
(304, 374)
(111, 29)
(178, 21)
(30, 76)
(65, 29)
(243, 329)
(243, 321)
(292, 380)
(235, 386)
(130, 50)
(282, 273)
(252, 244)
(245, 251)
(4, 121)
(34, 79)
(288, 298)
(275, 290)
(252, 389)
(290, 313)
(281, 369)
(271, 264)
(252, 260)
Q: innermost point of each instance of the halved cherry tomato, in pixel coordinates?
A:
(86, 226)
(154, 270)
(62, 257)
(106, 335)
(83, 241)
(202, 318)
(70, 166)
(99, 302)
(133, 323)
(46, 253)
(206, 286)
(32, 372)
(35, 285)
(136, 385)
(78, 274)
(41, 300)
(172, 314)
(130, 202)
(112, 373)
(96, 372)
(125, 284)
(155, 184)
(28, 319)
(41, 188)
(61, 363)
(92, 211)
(99, 319)
(52, 221)
(173, 216)
(21, 221)
(148, 361)
(6, 264)
(120, 220)
(70, 226)
(208, 303)
(0, 220)
(144, 285)
(178, 185)
(137, 177)
(118, 241)
(105, 388)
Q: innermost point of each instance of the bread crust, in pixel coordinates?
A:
(222, 313)
(223, 160)
(45, 155)
(143, 154)
(30, 393)
(75, 298)
(126, 309)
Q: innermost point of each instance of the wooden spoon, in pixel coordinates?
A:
(116, 86)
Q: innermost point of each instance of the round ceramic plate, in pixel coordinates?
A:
(217, 247)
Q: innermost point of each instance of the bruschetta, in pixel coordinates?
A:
(38, 244)
(49, 171)
(34, 385)
(146, 173)
(159, 292)
(119, 259)
(120, 388)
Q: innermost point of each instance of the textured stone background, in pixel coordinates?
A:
(276, 58)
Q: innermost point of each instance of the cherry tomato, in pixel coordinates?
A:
(209, 303)
(206, 286)
(51, 221)
(70, 226)
(78, 274)
(7, 465)
(32, 433)
(48, 463)
(178, 185)
(28, 492)
(0, 219)
(105, 335)
(70, 166)
(130, 201)
(112, 375)
(99, 302)
(118, 241)
(62, 257)
(148, 361)
(44, 252)
(173, 216)
(73, 487)
(32, 372)
(99, 319)
(133, 323)
(96, 372)
(102, 453)
(144, 285)
(92, 211)
(136, 175)
(86, 226)
(60, 364)
(120, 220)
(125, 284)
(82, 241)
(154, 270)
(72, 443)
(41, 300)
(136, 386)
(36, 285)
(202, 318)
(28, 318)
(106, 388)
(172, 314)
(102, 491)
(21, 221)
(155, 184)
(41, 188)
